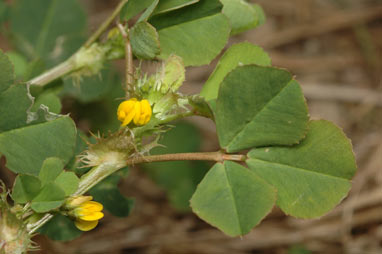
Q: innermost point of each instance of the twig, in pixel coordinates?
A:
(210, 156)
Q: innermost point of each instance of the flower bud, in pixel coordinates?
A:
(87, 215)
(85, 212)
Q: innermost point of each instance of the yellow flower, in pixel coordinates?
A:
(87, 215)
(133, 110)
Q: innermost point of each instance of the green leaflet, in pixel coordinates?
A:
(237, 55)
(144, 40)
(52, 172)
(68, 182)
(48, 190)
(242, 15)
(170, 5)
(19, 62)
(51, 168)
(260, 14)
(311, 177)
(25, 188)
(50, 197)
(49, 99)
(146, 14)
(26, 148)
(178, 178)
(259, 106)
(197, 32)
(134, 7)
(6, 72)
(14, 104)
(232, 198)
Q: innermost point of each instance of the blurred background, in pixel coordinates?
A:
(334, 48)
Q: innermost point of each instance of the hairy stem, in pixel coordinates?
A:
(105, 24)
(174, 117)
(207, 156)
(129, 68)
(69, 65)
(129, 63)
(34, 226)
(97, 174)
(54, 73)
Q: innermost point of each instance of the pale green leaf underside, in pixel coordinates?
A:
(260, 106)
(198, 41)
(260, 14)
(232, 198)
(311, 177)
(238, 54)
(242, 15)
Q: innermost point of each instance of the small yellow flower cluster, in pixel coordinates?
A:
(86, 212)
(133, 110)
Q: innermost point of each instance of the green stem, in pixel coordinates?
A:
(34, 226)
(105, 24)
(129, 88)
(70, 65)
(174, 117)
(97, 174)
(218, 156)
(56, 72)
(129, 69)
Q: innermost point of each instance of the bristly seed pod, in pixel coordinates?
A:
(14, 238)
